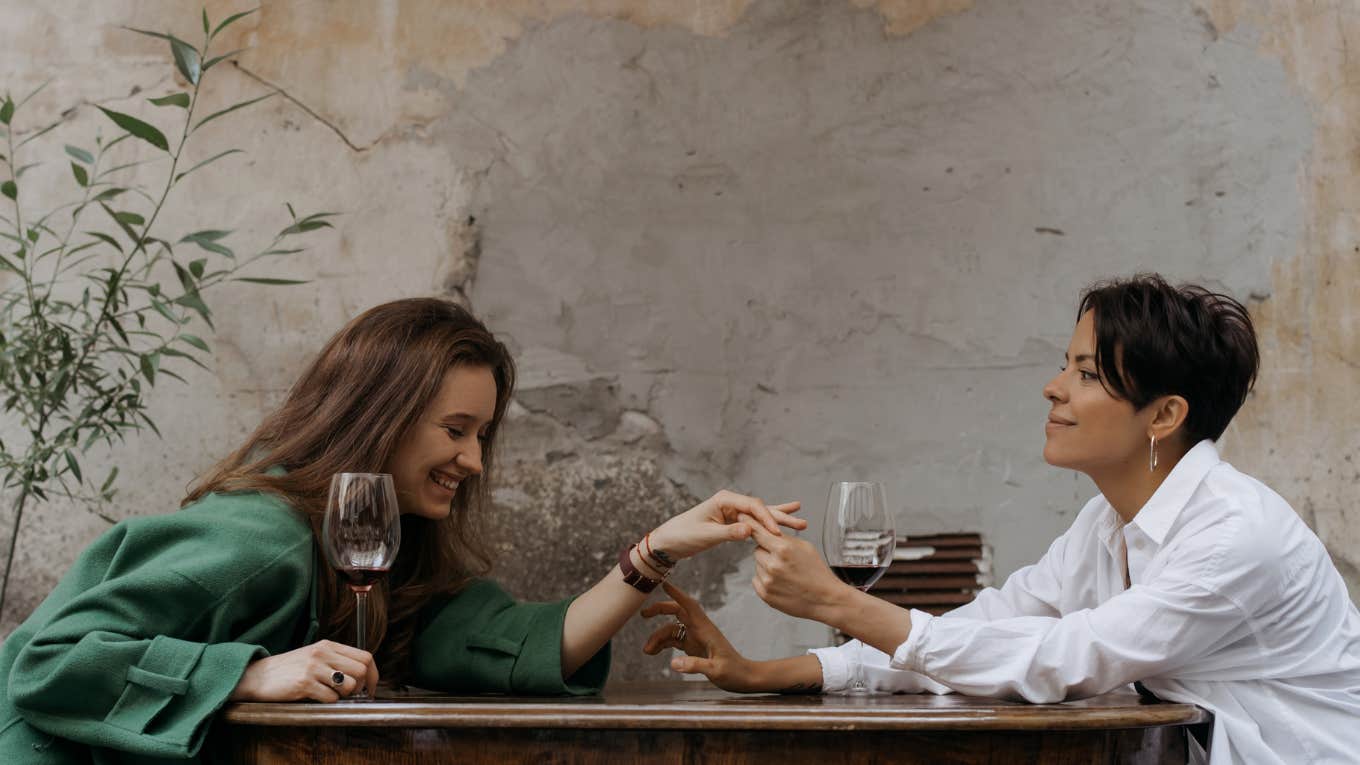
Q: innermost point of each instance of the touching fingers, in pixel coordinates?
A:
(761, 536)
(781, 515)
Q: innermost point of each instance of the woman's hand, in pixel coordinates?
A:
(717, 520)
(708, 651)
(792, 577)
(308, 673)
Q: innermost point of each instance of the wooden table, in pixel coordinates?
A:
(695, 723)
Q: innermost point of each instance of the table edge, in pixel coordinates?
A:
(560, 716)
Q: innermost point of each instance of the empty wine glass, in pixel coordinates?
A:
(858, 539)
(360, 536)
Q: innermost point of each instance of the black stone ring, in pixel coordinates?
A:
(338, 678)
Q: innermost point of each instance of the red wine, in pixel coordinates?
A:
(860, 575)
(363, 577)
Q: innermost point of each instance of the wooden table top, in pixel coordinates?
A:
(700, 706)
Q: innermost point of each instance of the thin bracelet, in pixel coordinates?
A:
(662, 558)
(661, 573)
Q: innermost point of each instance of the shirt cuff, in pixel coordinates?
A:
(911, 654)
(835, 668)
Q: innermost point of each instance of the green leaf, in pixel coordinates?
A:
(205, 21)
(9, 264)
(130, 218)
(174, 99)
(196, 342)
(231, 20)
(196, 267)
(254, 280)
(208, 241)
(213, 158)
(150, 363)
(186, 279)
(215, 60)
(230, 109)
(288, 251)
(137, 128)
(164, 310)
(106, 239)
(211, 235)
(80, 154)
(186, 60)
(74, 465)
(304, 226)
(20, 172)
(108, 482)
(127, 229)
(7, 111)
(186, 56)
(9, 189)
(109, 193)
(82, 177)
(194, 302)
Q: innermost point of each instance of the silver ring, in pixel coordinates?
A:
(338, 678)
(680, 631)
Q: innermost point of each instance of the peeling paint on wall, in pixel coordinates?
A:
(1301, 430)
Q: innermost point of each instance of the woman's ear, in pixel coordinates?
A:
(1168, 416)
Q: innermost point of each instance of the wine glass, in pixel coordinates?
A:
(858, 540)
(360, 536)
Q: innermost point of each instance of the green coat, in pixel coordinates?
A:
(139, 645)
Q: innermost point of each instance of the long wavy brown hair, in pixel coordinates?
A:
(347, 413)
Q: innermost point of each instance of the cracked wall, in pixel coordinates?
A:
(759, 244)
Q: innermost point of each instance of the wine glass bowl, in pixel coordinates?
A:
(858, 539)
(858, 536)
(360, 535)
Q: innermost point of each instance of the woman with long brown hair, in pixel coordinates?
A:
(165, 618)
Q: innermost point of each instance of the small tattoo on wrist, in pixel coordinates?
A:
(663, 557)
(802, 688)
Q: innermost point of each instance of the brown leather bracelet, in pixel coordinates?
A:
(631, 576)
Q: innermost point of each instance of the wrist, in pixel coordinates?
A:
(840, 608)
(663, 547)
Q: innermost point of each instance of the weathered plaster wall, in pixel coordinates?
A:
(763, 244)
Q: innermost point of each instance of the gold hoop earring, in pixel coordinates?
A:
(1152, 454)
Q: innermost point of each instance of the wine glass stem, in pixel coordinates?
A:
(361, 618)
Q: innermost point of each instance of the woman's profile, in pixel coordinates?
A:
(1185, 576)
(165, 618)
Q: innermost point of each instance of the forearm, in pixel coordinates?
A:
(874, 621)
(795, 674)
(594, 617)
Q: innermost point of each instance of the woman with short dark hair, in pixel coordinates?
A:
(1185, 576)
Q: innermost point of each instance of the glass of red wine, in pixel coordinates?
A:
(858, 539)
(360, 536)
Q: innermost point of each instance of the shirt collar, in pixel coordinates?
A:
(1164, 506)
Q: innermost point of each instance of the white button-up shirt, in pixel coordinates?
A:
(1233, 605)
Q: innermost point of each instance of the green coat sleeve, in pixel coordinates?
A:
(482, 641)
(133, 656)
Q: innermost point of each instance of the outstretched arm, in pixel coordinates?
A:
(709, 653)
(595, 616)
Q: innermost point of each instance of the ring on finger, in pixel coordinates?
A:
(337, 678)
(680, 631)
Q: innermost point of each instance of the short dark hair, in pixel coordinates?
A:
(1153, 339)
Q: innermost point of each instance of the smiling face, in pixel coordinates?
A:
(1088, 429)
(444, 446)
